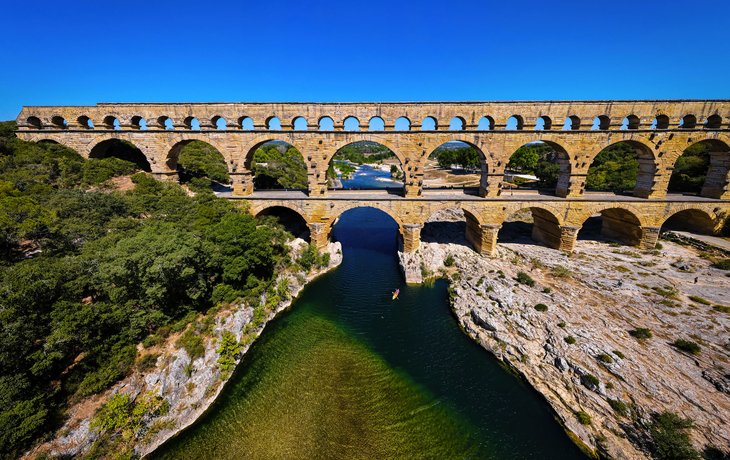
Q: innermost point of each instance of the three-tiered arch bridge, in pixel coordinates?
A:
(659, 130)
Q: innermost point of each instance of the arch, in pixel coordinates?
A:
(402, 124)
(515, 122)
(572, 123)
(689, 121)
(342, 208)
(618, 221)
(630, 122)
(300, 124)
(164, 122)
(691, 219)
(245, 123)
(457, 124)
(429, 124)
(111, 122)
(552, 168)
(713, 122)
(351, 124)
(108, 146)
(608, 178)
(218, 122)
(710, 157)
(191, 123)
(355, 154)
(376, 124)
(601, 122)
(325, 123)
(273, 123)
(34, 122)
(545, 225)
(59, 122)
(543, 123)
(660, 122)
(465, 222)
(486, 123)
(138, 122)
(290, 217)
(84, 122)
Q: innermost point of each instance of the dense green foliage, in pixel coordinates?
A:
(278, 166)
(641, 333)
(524, 278)
(524, 159)
(690, 169)
(615, 168)
(88, 274)
(689, 347)
(671, 437)
(199, 159)
(466, 157)
(364, 152)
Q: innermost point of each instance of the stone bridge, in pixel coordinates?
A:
(659, 130)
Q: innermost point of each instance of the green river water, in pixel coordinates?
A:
(348, 373)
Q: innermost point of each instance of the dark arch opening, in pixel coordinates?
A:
(34, 122)
(290, 220)
(630, 122)
(277, 165)
(601, 123)
(530, 226)
(713, 122)
(623, 166)
(688, 122)
(191, 123)
(452, 225)
(84, 122)
(139, 123)
(691, 220)
(59, 122)
(365, 165)
(367, 229)
(538, 165)
(164, 122)
(199, 165)
(123, 150)
(612, 224)
(660, 122)
(702, 168)
(456, 164)
(111, 122)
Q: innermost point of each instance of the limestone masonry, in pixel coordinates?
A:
(660, 130)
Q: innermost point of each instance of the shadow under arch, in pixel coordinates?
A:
(122, 149)
(704, 168)
(640, 182)
(541, 225)
(453, 224)
(613, 223)
(692, 220)
(368, 228)
(289, 217)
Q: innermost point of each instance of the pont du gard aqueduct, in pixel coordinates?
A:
(659, 130)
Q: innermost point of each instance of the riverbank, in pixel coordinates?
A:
(603, 384)
(188, 386)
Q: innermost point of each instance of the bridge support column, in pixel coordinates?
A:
(571, 186)
(482, 237)
(568, 237)
(490, 185)
(717, 182)
(319, 235)
(242, 183)
(649, 236)
(650, 183)
(411, 236)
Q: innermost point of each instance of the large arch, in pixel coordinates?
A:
(470, 225)
(176, 144)
(618, 221)
(716, 183)
(122, 149)
(385, 142)
(291, 217)
(250, 148)
(485, 168)
(546, 224)
(693, 219)
(553, 169)
(644, 184)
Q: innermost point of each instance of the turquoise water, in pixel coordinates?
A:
(369, 177)
(348, 373)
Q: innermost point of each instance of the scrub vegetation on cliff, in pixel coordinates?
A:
(88, 273)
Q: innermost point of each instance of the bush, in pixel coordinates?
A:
(562, 272)
(689, 347)
(592, 379)
(670, 436)
(722, 265)
(721, 308)
(619, 354)
(561, 324)
(658, 246)
(618, 407)
(449, 261)
(547, 290)
(524, 278)
(570, 340)
(192, 343)
(694, 298)
(583, 418)
(541, 307)
(603, 357)
(641, 333)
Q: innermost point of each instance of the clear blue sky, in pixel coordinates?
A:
(83, 52)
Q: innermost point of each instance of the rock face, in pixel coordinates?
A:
(605, 362)
(189, 390)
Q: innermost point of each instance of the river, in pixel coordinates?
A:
(370, 176)
(349, 373)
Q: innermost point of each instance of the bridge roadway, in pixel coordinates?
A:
(557, 220)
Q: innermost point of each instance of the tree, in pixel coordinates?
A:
(524, 159)
(22, 218)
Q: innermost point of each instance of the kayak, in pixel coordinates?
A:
(395, 294)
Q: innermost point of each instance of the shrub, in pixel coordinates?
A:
(603, 357)
(697, 299)
(449, 261)
(547, 290)
(583, 418)
(618, 406)
(229, 348)
(658, 246)
(641, 333)
(192, 343)
(570, 340)
(562, 272)
(561, 324)
(689, 347)
(619, 354)
(524, 278)
(592, 379)
(541, 307)
(722, 265)
(721, 308)
(670, 436)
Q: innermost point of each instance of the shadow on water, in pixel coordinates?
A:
(350, 373)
